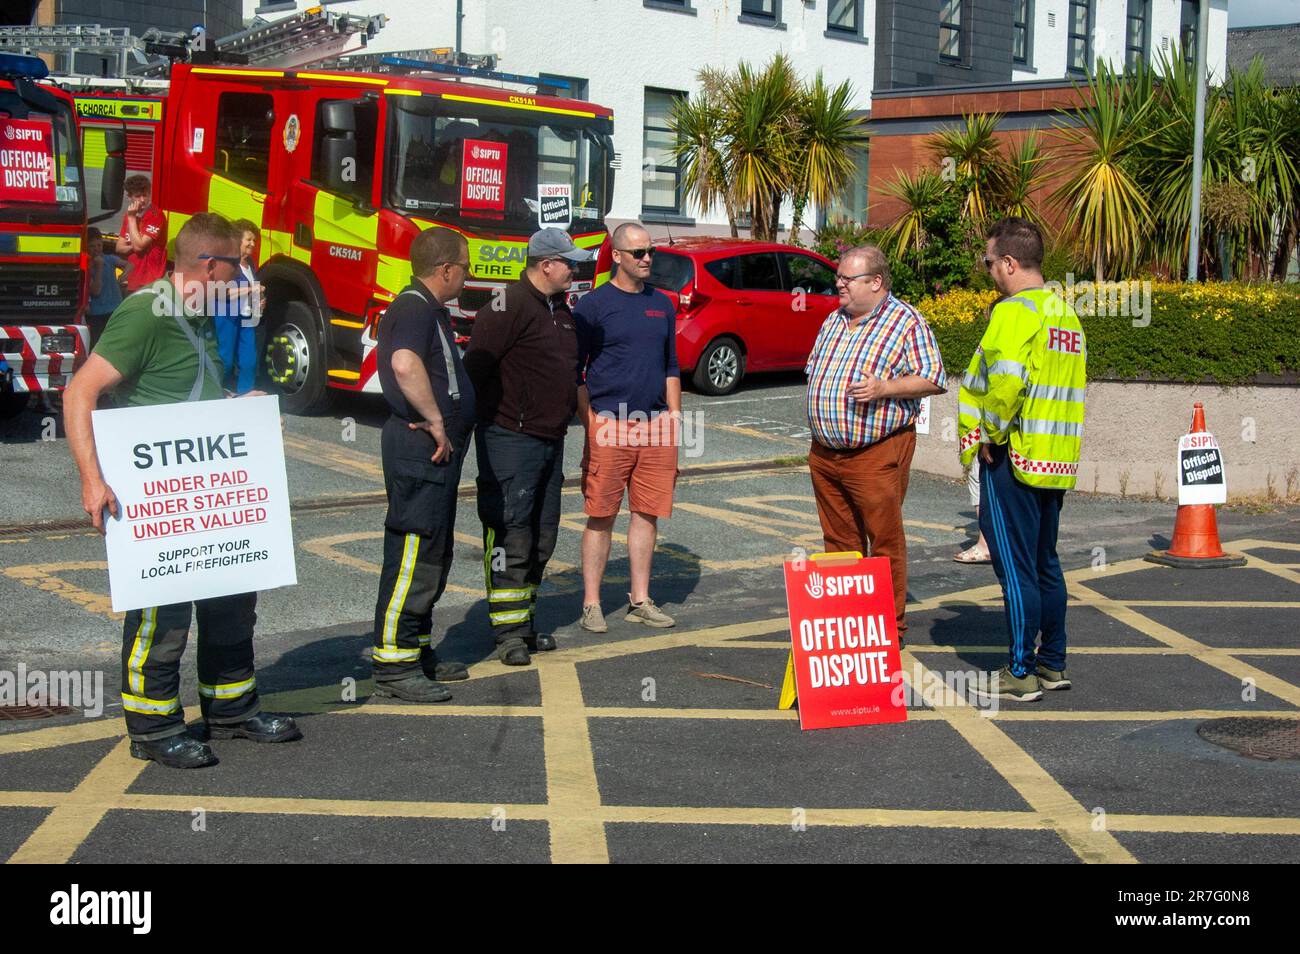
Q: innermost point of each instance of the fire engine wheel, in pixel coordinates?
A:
(720, 367)
(295, 360)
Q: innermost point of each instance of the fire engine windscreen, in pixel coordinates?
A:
(426, 163)
(66, 154)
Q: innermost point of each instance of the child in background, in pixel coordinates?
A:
(101, 274)
(236, 323)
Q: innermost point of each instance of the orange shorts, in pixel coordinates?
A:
(639, 458)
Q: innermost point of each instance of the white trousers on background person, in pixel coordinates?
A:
(973, 481)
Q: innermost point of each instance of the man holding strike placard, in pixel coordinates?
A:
(157, 350)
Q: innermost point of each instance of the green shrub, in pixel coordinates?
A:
(1224, 333)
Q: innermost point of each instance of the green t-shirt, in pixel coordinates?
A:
(155, 358)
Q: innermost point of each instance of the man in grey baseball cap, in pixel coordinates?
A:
(555, 243)
(521, 360)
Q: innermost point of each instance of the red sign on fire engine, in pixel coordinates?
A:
(845, 642)
(26, 161)
(483, 175)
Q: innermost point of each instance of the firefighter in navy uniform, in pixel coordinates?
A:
(423, 443)
(523, 359)
(155, 350)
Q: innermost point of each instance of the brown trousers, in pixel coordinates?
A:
(860, 502)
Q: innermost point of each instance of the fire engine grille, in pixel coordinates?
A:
(39, 294)
(1257, 737)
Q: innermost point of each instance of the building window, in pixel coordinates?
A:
(844, 16)
(1137, 36)
(575, 88)
(1022, 17)
(952, 32)
(766, 10)
(676, 6)
(1078, 48)
(661, 189)
(1187, 19)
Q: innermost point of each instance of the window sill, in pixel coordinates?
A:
(1023, 67)
(846, 36)
(689, 10)
(767, 22)
(654, 217)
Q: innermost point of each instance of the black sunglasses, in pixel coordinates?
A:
(228, 259)
(638, 253)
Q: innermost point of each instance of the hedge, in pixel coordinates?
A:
(1222, 332)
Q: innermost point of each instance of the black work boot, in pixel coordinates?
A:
(263, 727)
(514, 652)
(441, 670)
(414, 688)
(176, 751)
(540, 642)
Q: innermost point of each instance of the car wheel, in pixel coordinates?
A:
(720, 367)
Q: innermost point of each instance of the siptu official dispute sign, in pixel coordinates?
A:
(1200, 470)
(26, 161)
(203, 503)
(555, 206)
(844, 641)
(483, 175)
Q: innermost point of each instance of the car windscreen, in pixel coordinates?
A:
(483, 165)
(40, 159)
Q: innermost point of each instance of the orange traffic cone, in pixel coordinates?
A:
(1196, 531)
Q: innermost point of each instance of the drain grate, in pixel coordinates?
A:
(33, 712)
(1256, 737)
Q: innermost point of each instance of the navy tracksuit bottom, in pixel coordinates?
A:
(1020, 524)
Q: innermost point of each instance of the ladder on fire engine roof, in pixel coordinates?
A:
(297, 40)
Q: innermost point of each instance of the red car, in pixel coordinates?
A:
(743, 306)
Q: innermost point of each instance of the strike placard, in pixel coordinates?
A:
(26, 161)
(844, 641)
(555, 206)
(1200, 470)
(483, 175)
(923, 416)
(203, 503)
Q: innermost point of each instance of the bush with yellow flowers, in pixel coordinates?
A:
(1218, 332)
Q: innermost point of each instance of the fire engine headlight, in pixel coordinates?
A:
(57, 343)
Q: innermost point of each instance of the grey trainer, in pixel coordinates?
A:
(648, 613)
(593, 620)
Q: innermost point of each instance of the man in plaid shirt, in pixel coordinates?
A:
(873, 361)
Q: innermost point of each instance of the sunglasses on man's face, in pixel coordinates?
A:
(638, 253)
(228, 259)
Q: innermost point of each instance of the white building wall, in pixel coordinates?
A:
(622, 46)
(1109, 25)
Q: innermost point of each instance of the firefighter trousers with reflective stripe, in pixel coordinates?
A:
(153, 641)
(1020, 524)
(419, 532)
(519, 483)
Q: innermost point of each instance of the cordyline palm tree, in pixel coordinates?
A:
(919, 194)
(760, 125)
(1021, 176)
(752, 138)
(1164, 157)
(1265, 138)
(1104, 205)
(699, 122)
(826, 136)
(972, 150)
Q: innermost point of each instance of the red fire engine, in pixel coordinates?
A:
(43, 231)
(342, 170)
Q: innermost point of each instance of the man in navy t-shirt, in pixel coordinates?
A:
(630, 401)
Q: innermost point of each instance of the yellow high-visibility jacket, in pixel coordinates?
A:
(1025, 387)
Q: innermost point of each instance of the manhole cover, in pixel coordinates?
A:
(1257, 737)
(32, 712)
